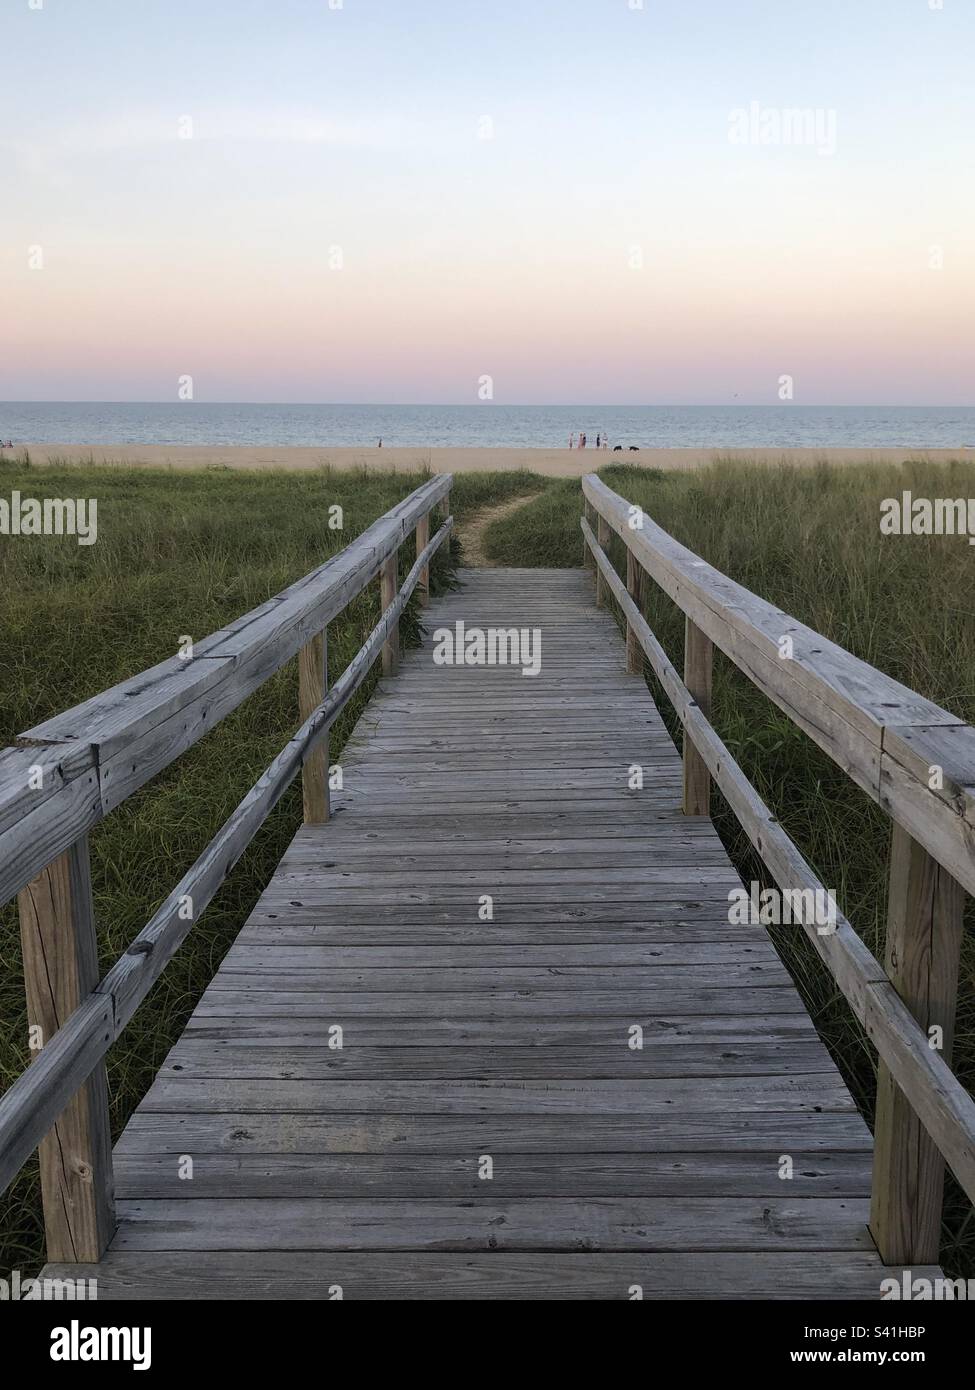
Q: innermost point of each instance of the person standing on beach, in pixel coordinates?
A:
(572, 440)
(582, 441)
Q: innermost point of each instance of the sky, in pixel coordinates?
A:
(523, 200)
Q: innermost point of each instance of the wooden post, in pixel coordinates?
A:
(388, 581)
(603, 534)
(422, 541)
(312, 685)
(57, 931)
(698, 662)
(587, 555)
(925, 907)
(444, 551)
(634, 587)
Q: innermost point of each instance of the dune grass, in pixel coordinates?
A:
(809, 541)
(184, 552)
(177, 553)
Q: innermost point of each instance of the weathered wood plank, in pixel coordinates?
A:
(678, 903)
(24, 1109)
(925, 916)
(60, 948)
(387, 596)
(109, 746)
(131, 977)
(687, 870)
(674, 1131)
(823, 1091)
(698, 661)
(49, 799)
(509, 1037)
(312, 685)
(604, 533)
(155, 1176)
(427, 1029)
(499, 979)
(246, 954)
(307, 1061)
(843, 704)
(319, 1276)
(941, 1103)
(303, 926)
(494, 1223)
(634, 587)
(30, 1107)
(263, 1001)
(462, 858)
(422, 537)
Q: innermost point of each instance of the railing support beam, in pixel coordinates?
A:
(588, 559)
(422, 541)
(444, 511)
(603, 534)
(698, 664)
(388, 578)
(925, 909)
(312, 687)
(60, 948)
(634, 587)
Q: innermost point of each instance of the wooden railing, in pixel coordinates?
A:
(916, 761)
(65, 775)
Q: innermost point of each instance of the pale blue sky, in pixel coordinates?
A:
(356, 131)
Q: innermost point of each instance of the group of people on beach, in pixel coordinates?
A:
(601, 441)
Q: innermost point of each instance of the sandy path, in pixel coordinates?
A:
(556, 463)
(472, 532)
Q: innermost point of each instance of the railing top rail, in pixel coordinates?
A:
(889, 739)
(938, 1098)
(31, 1105)
(65, 775)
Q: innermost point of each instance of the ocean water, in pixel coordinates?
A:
(488, 425)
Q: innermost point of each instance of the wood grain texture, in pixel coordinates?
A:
(942, 1104)
(501, 1275)
(312, 685)
(29, 1107)
(886, 737)
(925, 913)
(262, 1224)
(387, 595)
(604, 533)
(634, 587)
(430, 1175)
(498, 950)
(422, 540)
(676, 1131)
(97, 754)
(60, 947)
(698, 662)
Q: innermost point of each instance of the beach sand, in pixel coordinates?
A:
(556, 463)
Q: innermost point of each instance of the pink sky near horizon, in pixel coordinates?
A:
(509, 257)
(686, 337)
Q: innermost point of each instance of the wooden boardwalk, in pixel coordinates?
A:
(488, 1127)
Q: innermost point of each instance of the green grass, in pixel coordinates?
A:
(177, 553)
(809, 541)
(182, 552)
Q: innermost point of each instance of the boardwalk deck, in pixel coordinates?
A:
(499, 1046)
